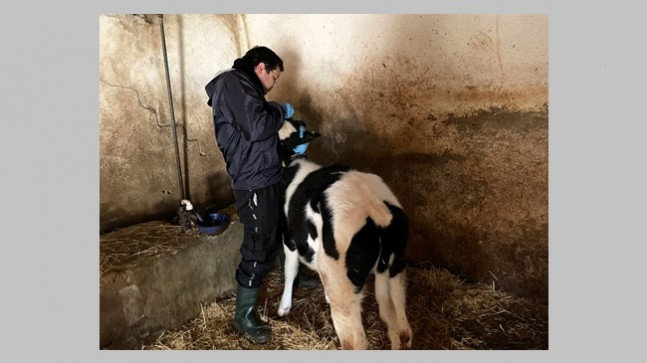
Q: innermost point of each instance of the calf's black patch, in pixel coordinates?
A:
(362, 253)
(311, 190)
(394, 239)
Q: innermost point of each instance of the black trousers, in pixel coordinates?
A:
(260, 211)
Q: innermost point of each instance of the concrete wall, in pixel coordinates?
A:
(451, 110)
(139, 174)
(150, 294)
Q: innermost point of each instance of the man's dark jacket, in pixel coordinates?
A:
(246, 127)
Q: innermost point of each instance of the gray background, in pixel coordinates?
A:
(49, 263)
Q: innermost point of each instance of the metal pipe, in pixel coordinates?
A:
(170, 101)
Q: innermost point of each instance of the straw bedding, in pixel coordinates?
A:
(444, 313)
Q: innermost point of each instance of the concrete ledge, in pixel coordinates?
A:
(148, 295)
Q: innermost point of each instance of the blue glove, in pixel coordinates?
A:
(288, 110)
(301, 149)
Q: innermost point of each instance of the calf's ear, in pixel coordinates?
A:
(310, 135)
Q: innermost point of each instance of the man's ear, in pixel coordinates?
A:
(260, 67)
(264, 67)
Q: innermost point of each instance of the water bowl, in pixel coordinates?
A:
(214, 224)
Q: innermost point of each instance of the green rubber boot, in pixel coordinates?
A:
(245, 320)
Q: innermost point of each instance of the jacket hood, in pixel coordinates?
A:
(210, 87)
(239, 64)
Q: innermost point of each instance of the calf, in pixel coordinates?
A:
(344, 224)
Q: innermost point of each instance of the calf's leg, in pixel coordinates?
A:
(345, 307)
(290, 270)
(397, 291)
(387, 308)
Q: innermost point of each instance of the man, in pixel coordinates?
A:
(246, 127)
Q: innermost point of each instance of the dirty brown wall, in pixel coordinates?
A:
(139, 178)
(451, 111)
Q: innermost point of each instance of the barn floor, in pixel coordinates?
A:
(444, 313)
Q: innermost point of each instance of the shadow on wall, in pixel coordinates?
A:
(298, 94)
(474, 187)
(233, 23)
(219, 192)
(114, 217)
(471, 211)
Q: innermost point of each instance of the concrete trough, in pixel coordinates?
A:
(142, 294)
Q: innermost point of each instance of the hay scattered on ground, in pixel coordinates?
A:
(129, 247)
(444, 313)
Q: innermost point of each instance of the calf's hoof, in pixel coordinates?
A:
(284, 310)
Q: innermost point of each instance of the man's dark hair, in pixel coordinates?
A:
(260, 54)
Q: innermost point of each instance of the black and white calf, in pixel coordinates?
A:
(345, 224)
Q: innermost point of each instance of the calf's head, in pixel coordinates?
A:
(293, 139)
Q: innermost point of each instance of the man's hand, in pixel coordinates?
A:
(301, 149)
(288, 110)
